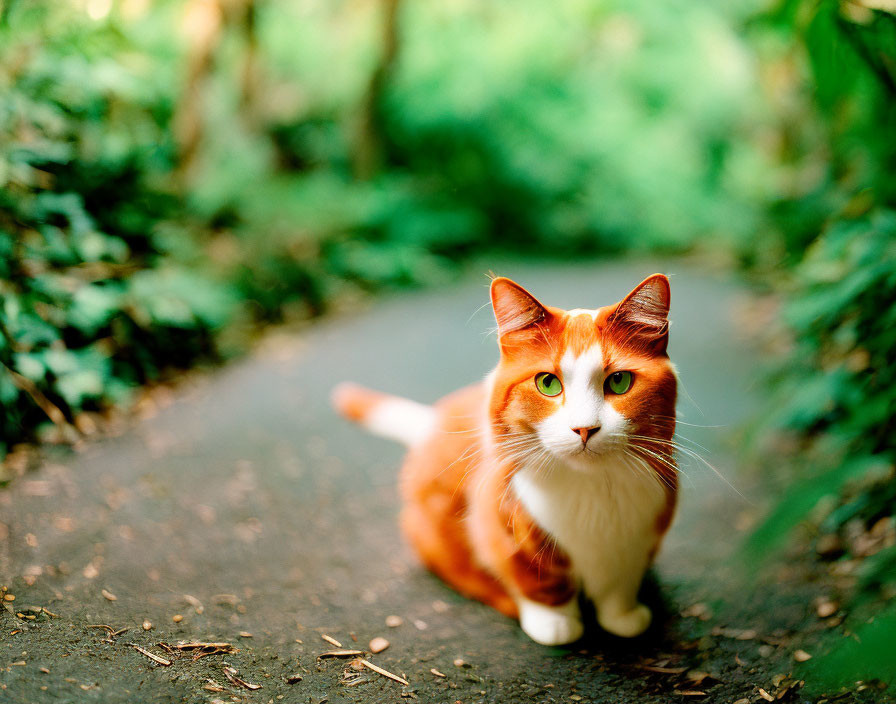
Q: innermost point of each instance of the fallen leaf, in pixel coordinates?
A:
(331, 640)
(765, 695)
(436, 672)
(662, 670)
(698, 676)
(801, 656)
(231, 674)
(152, 656)
(384, 673)
(699, 610)
(195, 603)
(292, 679)
(212, 686)
(109, 595)
(340, 654)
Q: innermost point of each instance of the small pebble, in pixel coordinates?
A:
(177, 618)
(394, 621)
(245, 634)
(826, 608)
(801, 656)
(147, 626)
(378, 645)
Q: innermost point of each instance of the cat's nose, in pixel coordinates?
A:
(586, 432)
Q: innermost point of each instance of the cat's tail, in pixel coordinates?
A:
(392, 417)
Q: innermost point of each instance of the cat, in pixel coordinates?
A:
(554, 475)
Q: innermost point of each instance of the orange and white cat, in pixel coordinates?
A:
(553, 476)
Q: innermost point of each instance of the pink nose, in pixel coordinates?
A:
(586, 432)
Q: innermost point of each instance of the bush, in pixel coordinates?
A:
(92, 303)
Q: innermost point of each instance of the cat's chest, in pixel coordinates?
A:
(593, 516)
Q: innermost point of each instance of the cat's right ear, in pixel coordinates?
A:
(515, 308)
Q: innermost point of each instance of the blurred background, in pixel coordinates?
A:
(177, 174)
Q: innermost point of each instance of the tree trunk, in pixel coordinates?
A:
(369, 148)
(203, 25)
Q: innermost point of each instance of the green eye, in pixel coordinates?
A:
(619, 382)
(548, 384)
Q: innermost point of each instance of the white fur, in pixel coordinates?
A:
(598, 503)
(407, 421)
(582, 405)
(583, 311)
(551, 625)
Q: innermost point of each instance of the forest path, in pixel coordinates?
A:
(250, 496)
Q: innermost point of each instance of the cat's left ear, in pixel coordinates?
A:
(515, 308)
(646, 309)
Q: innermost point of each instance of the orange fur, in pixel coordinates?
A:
(460, 511)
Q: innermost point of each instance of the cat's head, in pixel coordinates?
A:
(578, 385)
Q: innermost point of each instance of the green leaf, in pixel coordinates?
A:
(78, 385)
(30, 366)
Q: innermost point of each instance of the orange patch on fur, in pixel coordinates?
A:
(459, 511)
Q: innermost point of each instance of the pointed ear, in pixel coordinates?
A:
(515, 308)
(647, 307)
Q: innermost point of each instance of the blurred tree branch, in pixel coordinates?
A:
(203, 25)
(368, 152)
(248, 27)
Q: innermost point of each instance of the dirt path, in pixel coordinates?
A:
(247, 507)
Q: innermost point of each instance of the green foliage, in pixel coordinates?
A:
(619, 136)
(89, 305)
(835, 390)
(866, 655)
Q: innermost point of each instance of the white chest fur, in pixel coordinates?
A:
(604, 519)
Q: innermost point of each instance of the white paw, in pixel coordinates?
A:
(551, 625)
(627, 624)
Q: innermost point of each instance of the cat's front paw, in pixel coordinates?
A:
(627, 624)
(551, 625)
